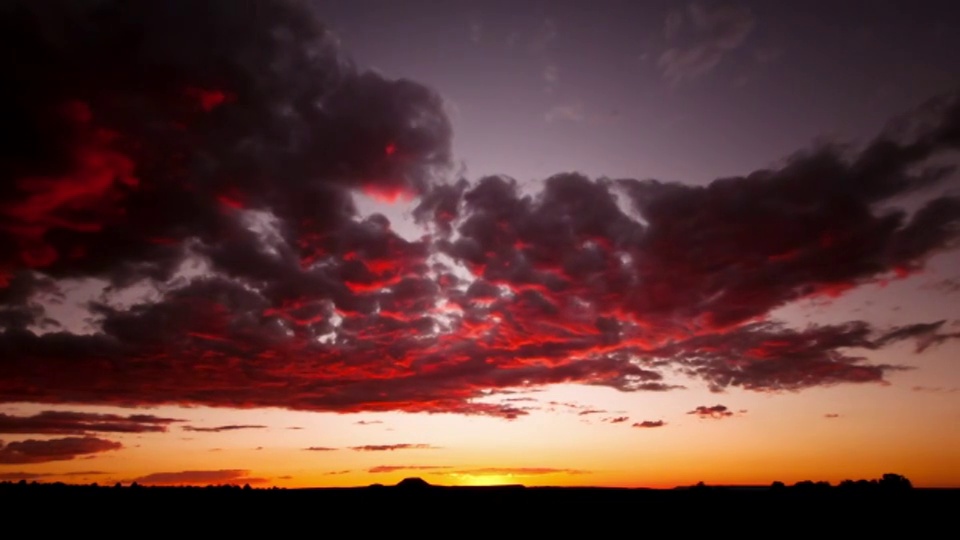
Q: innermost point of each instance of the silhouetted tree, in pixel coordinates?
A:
(895, 482)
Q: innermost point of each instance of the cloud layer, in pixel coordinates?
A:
(42, 451)
(77, 423)
(198, 162)
(203, 477)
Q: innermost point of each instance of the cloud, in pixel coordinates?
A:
(476, 30)
(392, 447)
(831, 415)
(617, 420)
(320, 449)
(716, 31)
(575, 112)
(367, 422)
(767, 55)
(947, 286)
(672, 24)
(551, 77)
(395, 468)
(571, 112)
(716, 411)
(218, 429)
(203, 182)
(23, 475)
(42, 451)
(202, 477)
(935, 389)
(551, 74)
(543, 37)
(78, 423)
(516, 471)
(649, 424)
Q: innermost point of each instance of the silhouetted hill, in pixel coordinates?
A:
(413, 483)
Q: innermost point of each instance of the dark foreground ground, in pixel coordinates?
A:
(404, 509)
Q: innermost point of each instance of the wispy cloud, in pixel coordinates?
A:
(392, 447)
(715, 31)
(218, 429)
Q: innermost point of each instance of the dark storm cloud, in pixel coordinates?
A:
(212, 477)
(78, 423)
(42, 451)
(156, 134)
(144, 124)
(218, 429)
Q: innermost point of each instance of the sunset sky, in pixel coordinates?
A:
(607, 243)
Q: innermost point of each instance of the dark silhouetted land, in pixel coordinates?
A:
(874, 504)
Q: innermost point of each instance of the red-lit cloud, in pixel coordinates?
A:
(42, 451)
(716, 411)
(649, 424)
(133, 161)
(77, 423)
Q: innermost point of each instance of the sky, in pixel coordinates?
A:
(638, 244)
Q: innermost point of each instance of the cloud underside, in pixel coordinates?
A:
(716, 411)
(649, 424)
(233, 138)
(392, 447)
(79, 423)
(14, 476)
(43, 451)
(201, 477)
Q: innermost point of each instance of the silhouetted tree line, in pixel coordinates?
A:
(24, 484)
(888, 483)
